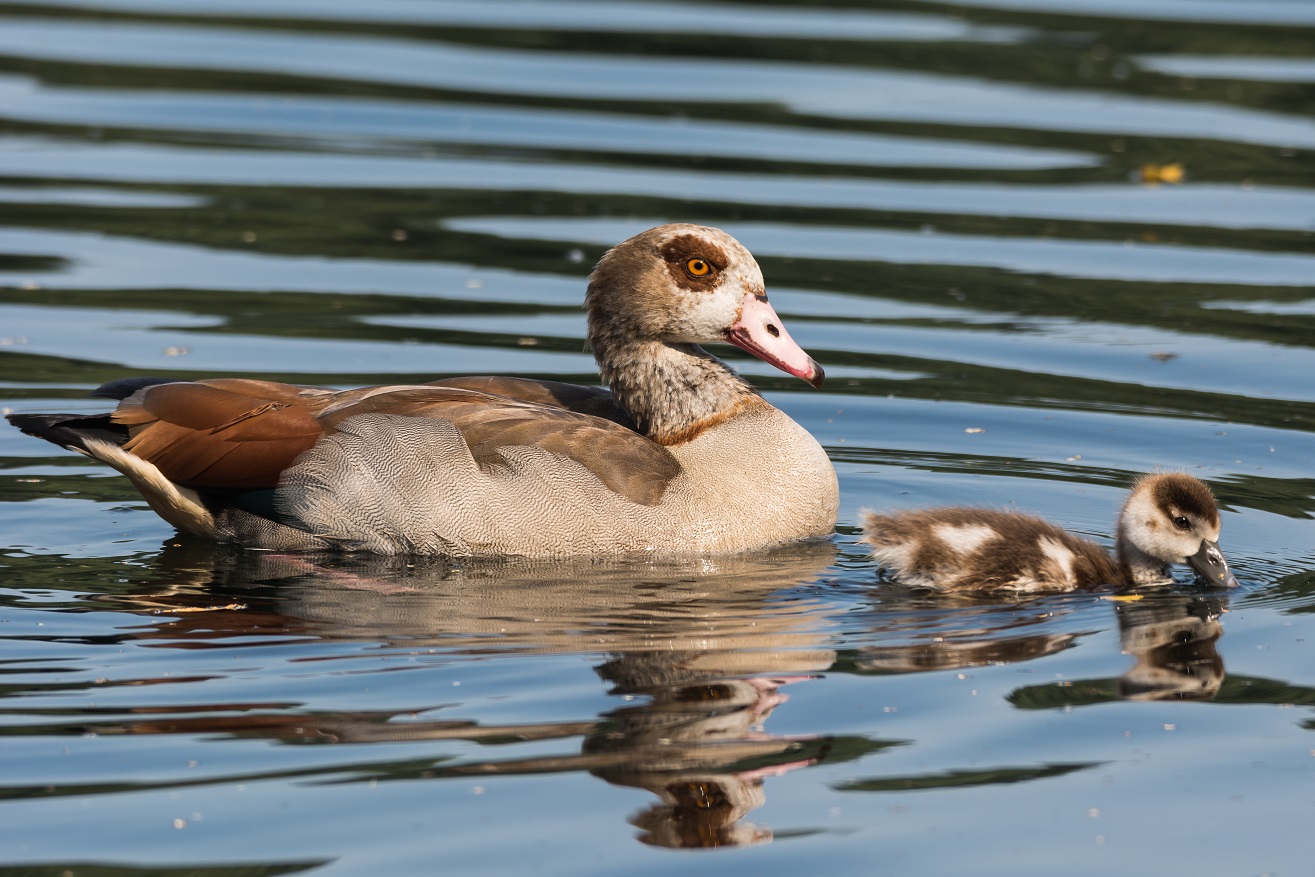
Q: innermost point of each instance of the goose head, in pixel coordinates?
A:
(1172, 518)
(684, 285)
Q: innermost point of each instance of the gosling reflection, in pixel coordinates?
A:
(960, 650)
(1172, 639)
(917, 633)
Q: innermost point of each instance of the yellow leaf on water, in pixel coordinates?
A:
(1162, 173)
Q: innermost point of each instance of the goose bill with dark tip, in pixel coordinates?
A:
(760, 331)
(1210, 565)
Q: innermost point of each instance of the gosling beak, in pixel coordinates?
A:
(1209, 563)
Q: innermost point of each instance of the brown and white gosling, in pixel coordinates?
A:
(1168, 518)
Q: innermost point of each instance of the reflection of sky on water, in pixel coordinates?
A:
(103, 262)
(1204, 205)
(144, 340)
(1225, 11)
(346, 124)
(838, 92)
(1102, 259)
(1278, 308)
(599, 15)
(1251, 69)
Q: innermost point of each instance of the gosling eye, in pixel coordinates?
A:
(697, 267)
(1182, 523)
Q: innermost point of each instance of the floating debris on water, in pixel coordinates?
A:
(1154, 174)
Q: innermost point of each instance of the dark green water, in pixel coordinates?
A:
(955, 209)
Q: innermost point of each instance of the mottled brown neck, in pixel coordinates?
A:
(639, 297)
(674, 392)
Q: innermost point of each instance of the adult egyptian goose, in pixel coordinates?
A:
(681, 457)
(1168, 518)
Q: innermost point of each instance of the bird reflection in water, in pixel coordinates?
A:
(916, 632)
(1172, 637)
(700, 748)
(1170, 634)
(699, 651)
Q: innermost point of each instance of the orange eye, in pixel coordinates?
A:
(698, 267)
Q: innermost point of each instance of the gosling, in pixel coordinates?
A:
(1168, 518)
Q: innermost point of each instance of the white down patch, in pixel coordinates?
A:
(894, 556)
(965, 539)
(1060, 556)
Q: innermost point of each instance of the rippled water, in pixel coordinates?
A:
(965, 211)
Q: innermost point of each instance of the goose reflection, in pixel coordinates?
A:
(698, 652)
(697, 742)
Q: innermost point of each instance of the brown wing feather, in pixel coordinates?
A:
(237, 433)
(595, 401)
(221, 434)
(625, 461)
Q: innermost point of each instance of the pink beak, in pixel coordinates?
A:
(759, 331)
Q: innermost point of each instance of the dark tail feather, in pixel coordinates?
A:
(125, 387)
(70, 430)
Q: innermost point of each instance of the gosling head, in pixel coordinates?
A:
(1172, 518)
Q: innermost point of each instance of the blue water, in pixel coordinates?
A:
(960, 211)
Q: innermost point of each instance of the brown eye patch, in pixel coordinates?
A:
(694, 262)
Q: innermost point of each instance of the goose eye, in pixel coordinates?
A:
(1182, 523)
(698, 267)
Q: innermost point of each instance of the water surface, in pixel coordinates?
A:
(964, 211)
